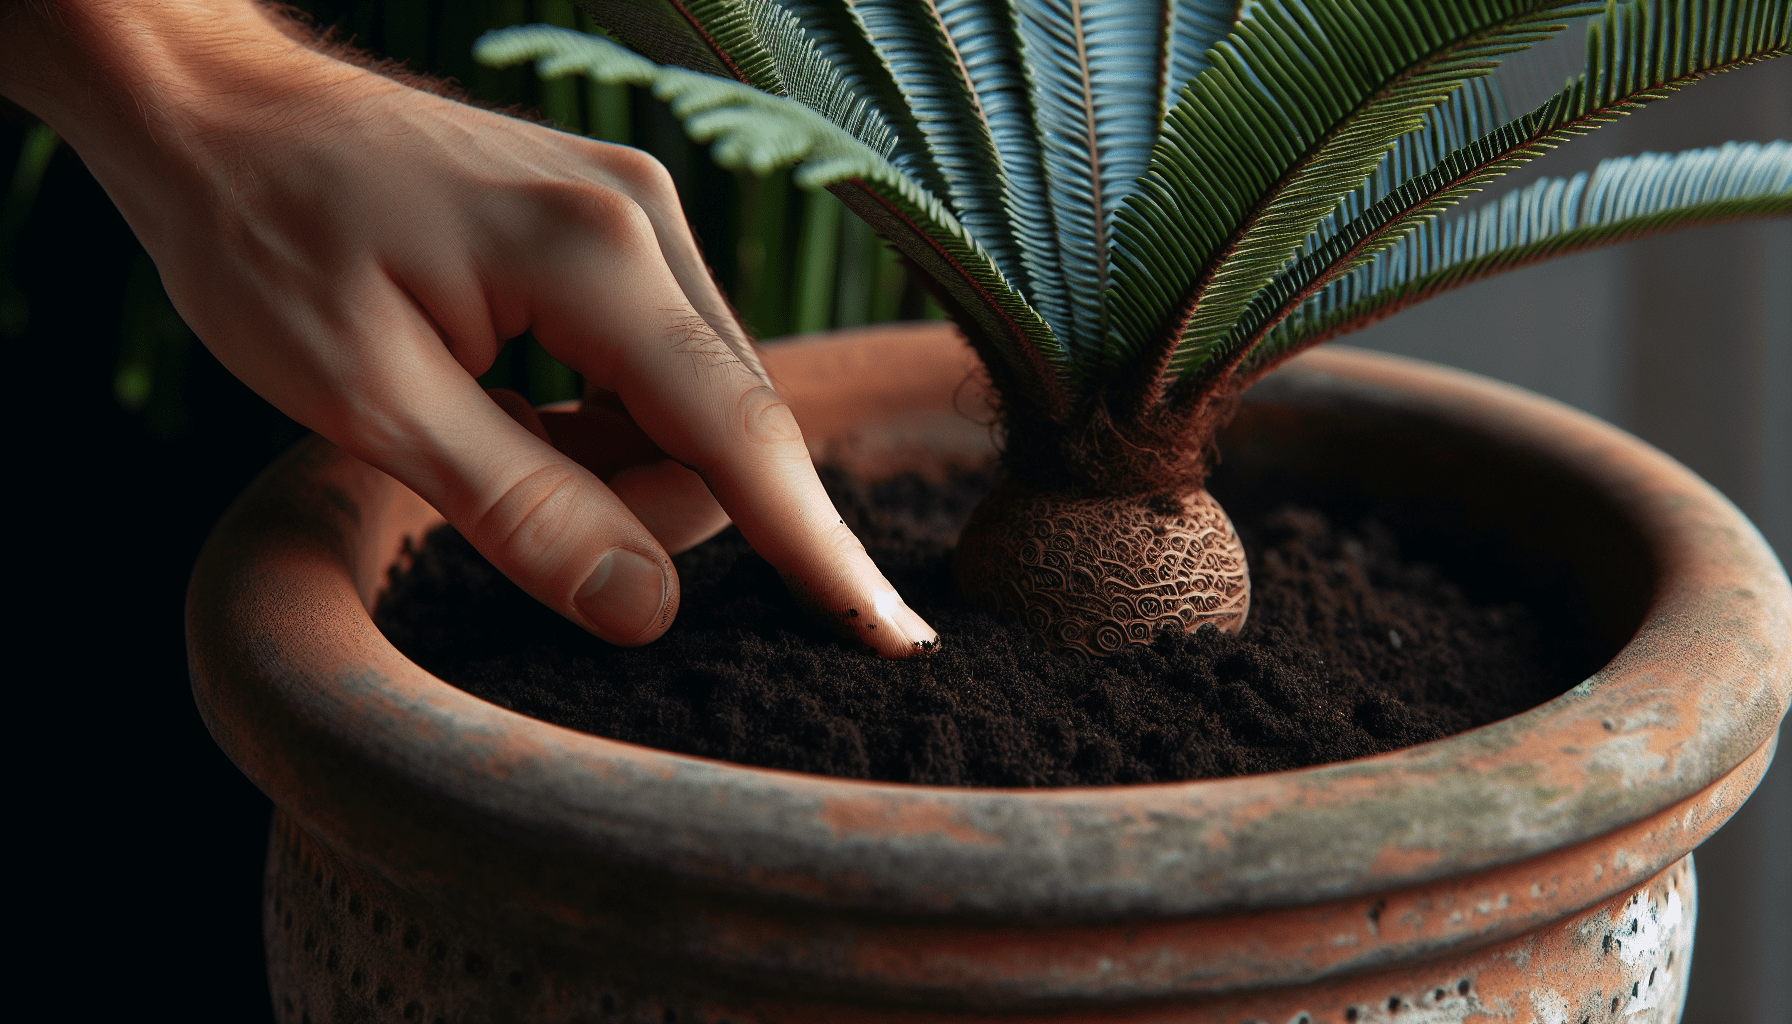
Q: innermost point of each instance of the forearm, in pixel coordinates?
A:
(132, 84)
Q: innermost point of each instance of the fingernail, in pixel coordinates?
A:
(624, 595)
(924, 636)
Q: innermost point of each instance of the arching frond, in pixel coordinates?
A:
(1470, 113)
(1635, 53)
(987, 37)
(714, 37)
(930, 71)
(813, 80)
(756, 131)
(1624, 198)
(839, 36)
(1191, 28)
(1303, 100)
(1095, 85)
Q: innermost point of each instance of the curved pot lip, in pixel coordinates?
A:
(373, 754)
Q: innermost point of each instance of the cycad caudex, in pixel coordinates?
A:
(1136, 208)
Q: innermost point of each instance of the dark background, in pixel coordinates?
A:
(136, 847)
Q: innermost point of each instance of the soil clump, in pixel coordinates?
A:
(1349, 651)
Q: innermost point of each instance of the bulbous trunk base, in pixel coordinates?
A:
(1095, 574)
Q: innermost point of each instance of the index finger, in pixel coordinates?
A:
(711, 409)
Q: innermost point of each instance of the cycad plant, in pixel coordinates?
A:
(1136, 208)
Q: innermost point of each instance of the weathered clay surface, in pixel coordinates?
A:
(1096, 574)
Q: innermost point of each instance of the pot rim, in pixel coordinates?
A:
(425, 782)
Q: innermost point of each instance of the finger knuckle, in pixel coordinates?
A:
(766, 418)
(622, 225)
(534, 514)
(640, 174)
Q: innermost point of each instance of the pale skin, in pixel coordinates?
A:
(358, 252)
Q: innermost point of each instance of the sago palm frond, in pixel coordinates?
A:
(714, 37)
(1625, 198)
(1097, 86)
(1303, 99)
(1635, 53)
(1191, 28)
(929, 69)
(986, 36)
(840, 37)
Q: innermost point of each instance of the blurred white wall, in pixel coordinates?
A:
(1685, 340)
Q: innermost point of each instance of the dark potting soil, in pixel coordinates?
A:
(1349, 651)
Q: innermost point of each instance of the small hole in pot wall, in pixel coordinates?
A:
(1350, 1014)
(1393, 1004)
(1614, 1004)
(1462, 987)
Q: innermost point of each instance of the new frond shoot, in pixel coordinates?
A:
(1135, 208)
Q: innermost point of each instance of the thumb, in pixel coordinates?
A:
(542, 519)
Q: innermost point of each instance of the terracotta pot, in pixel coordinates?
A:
(438, 858)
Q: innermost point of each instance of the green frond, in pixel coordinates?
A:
(752, 130)
(1302, 102)
(1191, 28)
(1096, 81)
(925, 62)
(1622, 199)
(1636, 53)
(838, 35)
(986, 34)
(714, 37)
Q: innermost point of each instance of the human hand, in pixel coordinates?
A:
(358, 252)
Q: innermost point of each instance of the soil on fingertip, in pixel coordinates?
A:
(1351, 649)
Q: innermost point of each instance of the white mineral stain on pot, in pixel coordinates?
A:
(1549, 1007)
(1630, 759)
